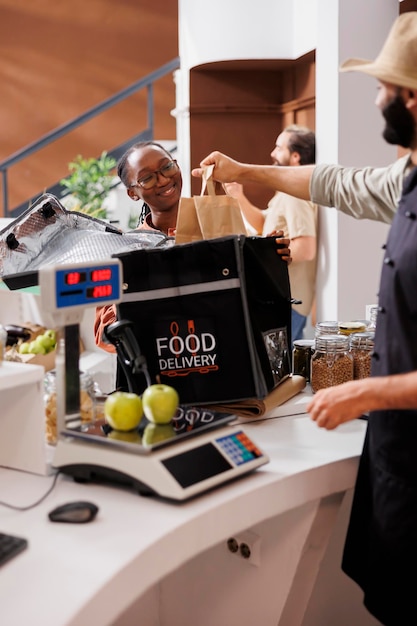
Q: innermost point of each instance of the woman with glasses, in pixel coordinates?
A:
(151, 175)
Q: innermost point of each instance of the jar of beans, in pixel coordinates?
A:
(331, 363)
(361, 348)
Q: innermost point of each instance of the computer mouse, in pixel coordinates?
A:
(78, 512)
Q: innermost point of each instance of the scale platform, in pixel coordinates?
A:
(175, 461)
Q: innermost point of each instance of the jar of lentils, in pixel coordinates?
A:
(331, 363)
(361, 348)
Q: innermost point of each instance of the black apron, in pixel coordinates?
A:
(381, 545)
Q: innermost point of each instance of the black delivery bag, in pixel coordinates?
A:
(212, 318)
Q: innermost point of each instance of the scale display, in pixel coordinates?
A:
(66, 290)
(87, 285)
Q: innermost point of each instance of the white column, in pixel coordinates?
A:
(214, 31)
(349, 128)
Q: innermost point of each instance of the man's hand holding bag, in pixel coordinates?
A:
(208, 216)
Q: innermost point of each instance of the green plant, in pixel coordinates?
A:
(89, 183)
(133, 220)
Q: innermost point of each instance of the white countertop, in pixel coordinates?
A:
(68, 572)
(13, 374)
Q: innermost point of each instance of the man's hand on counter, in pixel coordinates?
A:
(335, 405)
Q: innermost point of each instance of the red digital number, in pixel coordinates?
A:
(102, 291)
(73, 278)
(98, 276)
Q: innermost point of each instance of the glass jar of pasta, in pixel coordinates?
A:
(87, 403)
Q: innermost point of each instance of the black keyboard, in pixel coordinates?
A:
(10, 546)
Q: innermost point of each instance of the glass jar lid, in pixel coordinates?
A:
(327, 328)
(332, 343)
(86, 380)
(347, 328)
(304, 343)
(362, 340)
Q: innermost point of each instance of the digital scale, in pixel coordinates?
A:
(198, 451)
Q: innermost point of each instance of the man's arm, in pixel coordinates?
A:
(335, 405)
(292, 180)
(364, 193)
(251, 212)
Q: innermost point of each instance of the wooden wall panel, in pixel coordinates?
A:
(58, 59)
(240, 107)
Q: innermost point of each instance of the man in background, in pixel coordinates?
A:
(295, 145)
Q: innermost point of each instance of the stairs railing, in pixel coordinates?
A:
(146, 134)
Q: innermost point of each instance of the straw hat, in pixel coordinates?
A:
(397, 61)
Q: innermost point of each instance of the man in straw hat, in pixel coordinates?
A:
(381, 544)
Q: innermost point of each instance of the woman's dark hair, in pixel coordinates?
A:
(122, 165)
(303, 141)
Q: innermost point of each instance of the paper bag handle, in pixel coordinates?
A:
(207, 181)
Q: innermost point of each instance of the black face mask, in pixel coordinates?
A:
(399, 129)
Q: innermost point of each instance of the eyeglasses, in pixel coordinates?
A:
(168, 171)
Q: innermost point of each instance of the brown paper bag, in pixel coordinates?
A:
(208, 216)
(257, 407)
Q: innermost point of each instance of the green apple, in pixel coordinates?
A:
(44, 341)
(51, 333)
(155, 433)
(160, 403)
(24, 348)
(123, 410)
(36, 348)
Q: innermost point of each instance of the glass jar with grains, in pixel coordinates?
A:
(361, 348)
(331, 363)
(87, 403)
